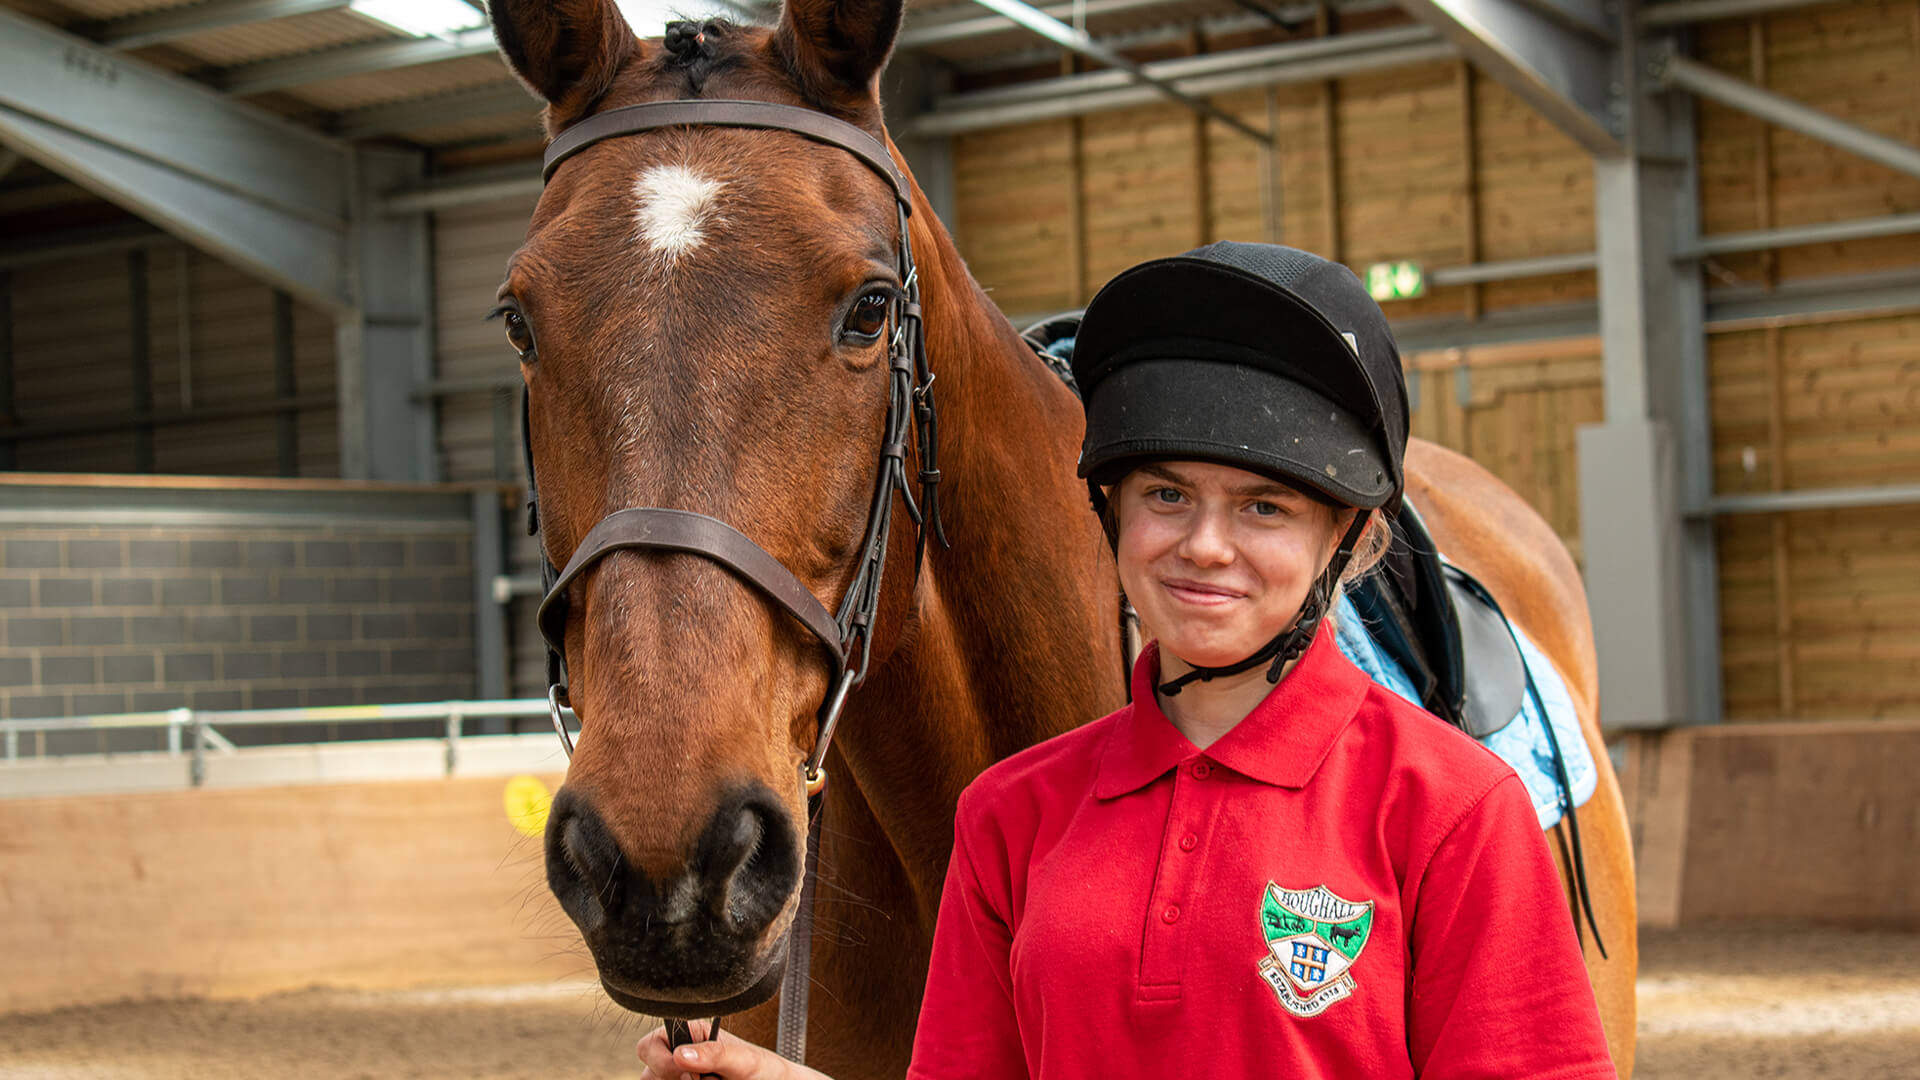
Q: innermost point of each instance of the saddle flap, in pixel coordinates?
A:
(1443, 630)
(1495, 673)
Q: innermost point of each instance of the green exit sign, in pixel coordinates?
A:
(1396, 280)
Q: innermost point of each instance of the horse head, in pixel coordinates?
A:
(702, 316)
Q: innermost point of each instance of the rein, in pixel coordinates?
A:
(847, 634)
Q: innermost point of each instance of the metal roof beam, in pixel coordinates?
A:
(1213, 74)
(158, 27)
(499, 99)
(1081, 42)
(1686, 12)
(228, 178)
(1678, 71)
(1567, 75)
(920, 34)
(268, 75)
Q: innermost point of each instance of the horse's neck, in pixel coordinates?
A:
(1014, 634)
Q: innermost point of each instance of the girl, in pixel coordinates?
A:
(1266, 864)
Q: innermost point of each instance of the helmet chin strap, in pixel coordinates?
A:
(1291, 642)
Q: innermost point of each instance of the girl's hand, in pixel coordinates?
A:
(730, 1058)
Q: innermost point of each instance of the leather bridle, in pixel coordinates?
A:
(847, 634)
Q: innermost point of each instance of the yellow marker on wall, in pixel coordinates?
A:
(527, 803)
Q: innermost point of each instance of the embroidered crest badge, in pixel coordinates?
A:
(1313, 938)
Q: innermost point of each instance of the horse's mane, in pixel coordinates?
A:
(702, 48)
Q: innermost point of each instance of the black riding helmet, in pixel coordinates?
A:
(1262, 357)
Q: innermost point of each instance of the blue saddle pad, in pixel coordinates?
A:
(1521, 744)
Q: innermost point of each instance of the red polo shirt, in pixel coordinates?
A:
(1341, 886)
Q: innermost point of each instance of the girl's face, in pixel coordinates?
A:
(1217, 560)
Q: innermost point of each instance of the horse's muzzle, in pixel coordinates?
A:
(694, 943)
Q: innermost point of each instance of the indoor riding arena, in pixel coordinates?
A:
(278, 716)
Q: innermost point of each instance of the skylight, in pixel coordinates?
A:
(421, 18)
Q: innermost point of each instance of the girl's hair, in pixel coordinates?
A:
(1371, 548)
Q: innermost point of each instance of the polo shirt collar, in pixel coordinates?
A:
(1281, 742)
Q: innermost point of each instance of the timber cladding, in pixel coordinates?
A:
(233, 893)
(1820, 611)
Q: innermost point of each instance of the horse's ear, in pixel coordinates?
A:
(566, 51)
(837, 47)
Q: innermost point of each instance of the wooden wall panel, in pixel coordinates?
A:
(231, 893)
(1820, 612)
(1851, 401)
(1140, 182)
(73, 361)
(1515, 412)
(1535, 197)
(1237, 188)
(1855, 62)
(1013, 197)
(1402, 174)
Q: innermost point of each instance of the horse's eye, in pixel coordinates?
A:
(519, 334)
(867, 319)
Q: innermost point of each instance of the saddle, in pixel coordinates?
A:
(1444, 630)
(1439, 624)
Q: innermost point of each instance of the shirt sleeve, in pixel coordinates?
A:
(1497, 986)
(967, 1023)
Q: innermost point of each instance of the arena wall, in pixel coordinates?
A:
(234, 892)
(122, 594)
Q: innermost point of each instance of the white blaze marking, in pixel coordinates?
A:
(676, 204)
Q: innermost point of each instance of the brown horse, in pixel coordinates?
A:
(695, 313)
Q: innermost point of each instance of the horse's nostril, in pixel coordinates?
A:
(750, 861)
(584, 866)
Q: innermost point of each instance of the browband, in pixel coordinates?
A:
(631, 119)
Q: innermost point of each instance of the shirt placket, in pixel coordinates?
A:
(1183, 850)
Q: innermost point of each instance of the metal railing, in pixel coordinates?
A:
(195, 732)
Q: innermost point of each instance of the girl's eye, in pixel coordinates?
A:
(1164, 495)
(1266, 509)
(519, 334)
(867, 319)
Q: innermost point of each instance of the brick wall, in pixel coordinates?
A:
(97, 619)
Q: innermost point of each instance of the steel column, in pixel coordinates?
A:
(140, 353)
(385, 343)
(490, 617)
(1652, 579)
(8, 453)
(285, 386)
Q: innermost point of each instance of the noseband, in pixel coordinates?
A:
(847, 634)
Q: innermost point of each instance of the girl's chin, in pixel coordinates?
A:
(1209, 654)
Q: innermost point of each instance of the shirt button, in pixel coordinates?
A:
(1171, 915)
(1189, 842)
(1202, 770)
